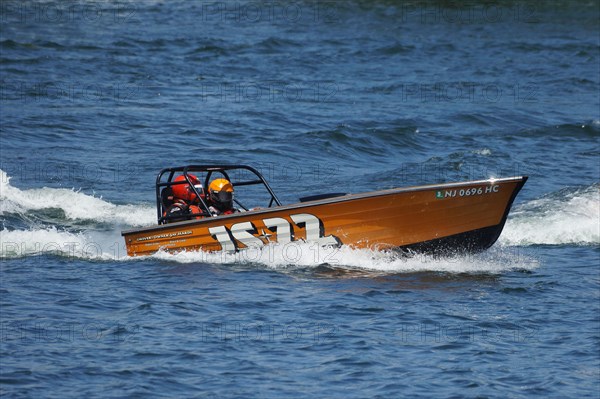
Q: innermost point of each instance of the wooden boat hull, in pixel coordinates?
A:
(466, 216)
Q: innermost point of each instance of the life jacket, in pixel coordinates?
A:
(216, 212)
(181, 210)
(195, 209)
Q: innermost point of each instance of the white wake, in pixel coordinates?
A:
(74, 204)
(571, 217)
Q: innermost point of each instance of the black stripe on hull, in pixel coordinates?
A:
(468, 242)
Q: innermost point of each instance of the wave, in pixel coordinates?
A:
(587, 129)
(75, 205)
(570, 216)
(23, 243)
(305, 256)
(291, 257)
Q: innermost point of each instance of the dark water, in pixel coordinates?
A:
(320, 96)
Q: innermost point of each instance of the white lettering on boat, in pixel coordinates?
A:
(466, 192)
(246, 232)
(314, 228)
(281, 227)
(243, 233)
(165, 235)
(221, 234)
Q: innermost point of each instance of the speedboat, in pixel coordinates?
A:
(450, 217)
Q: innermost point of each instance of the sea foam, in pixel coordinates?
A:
(75, 205)
(569, 216)
(302, 255)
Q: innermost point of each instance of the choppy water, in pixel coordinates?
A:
(96, 97)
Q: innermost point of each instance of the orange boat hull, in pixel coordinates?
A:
(465, 216)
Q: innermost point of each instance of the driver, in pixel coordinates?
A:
(220, 192)
(185, 200)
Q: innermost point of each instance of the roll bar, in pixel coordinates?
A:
(163, 184)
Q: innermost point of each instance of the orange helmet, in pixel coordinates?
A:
(184, 191)
(221, 194)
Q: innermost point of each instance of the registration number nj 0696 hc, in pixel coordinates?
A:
(466, 192)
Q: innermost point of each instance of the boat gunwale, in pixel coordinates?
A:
(327, 201)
